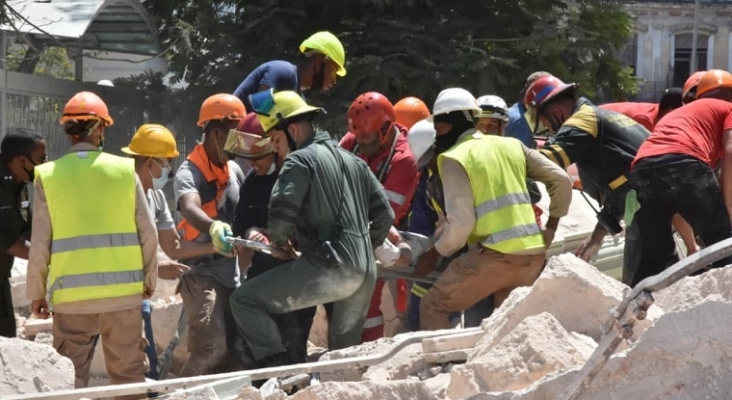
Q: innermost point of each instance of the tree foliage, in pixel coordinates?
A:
(51, 61)
(399, 48)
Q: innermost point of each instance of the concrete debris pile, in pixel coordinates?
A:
(27, 367)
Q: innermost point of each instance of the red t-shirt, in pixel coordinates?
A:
(643, 113)
(695, 129)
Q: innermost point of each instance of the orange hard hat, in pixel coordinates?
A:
(410, 110)
(370, 113)
(221, 106)
(86, 106)
(689, 93)
(713, 79)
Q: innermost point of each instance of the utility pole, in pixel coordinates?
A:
(692, 62)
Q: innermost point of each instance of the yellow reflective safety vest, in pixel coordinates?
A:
(95, 249)
(496, 167)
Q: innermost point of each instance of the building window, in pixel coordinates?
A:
(629, 54)
(682, 56)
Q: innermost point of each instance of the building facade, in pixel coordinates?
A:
(661, 47)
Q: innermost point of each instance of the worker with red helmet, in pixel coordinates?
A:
(93, 251)
(376, 138)
(321, 59)
(410, 110)
(602, 143)
(689, 91)
(206, 189)
(674, 172)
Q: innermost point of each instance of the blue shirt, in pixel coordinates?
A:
(518, 127)
(423, 217)
(279, 75)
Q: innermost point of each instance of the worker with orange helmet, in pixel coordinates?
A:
(410, 110)
(206, 189)
(93, 248)
(321, 59)
(376, 137)
(689, 91)
(248, 142)
(602, 143)
(648, 114)
(674, 172)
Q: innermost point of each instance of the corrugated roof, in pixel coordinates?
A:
(106, 25)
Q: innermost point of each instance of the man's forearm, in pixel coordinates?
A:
(198, 218)
(20, 249)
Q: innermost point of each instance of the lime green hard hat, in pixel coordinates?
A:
(328, 44)
(273, 108)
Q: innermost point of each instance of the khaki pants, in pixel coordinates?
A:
(472, 277)
(212, 332)
(122, 343)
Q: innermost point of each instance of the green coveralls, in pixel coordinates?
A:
(309, 189)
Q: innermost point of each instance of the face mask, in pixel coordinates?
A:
(159, 183)
(272, 168)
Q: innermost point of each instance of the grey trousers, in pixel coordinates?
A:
(296, 285)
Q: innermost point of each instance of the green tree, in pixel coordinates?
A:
(52, 61)
(399, 48)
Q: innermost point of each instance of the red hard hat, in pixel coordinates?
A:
(371, 113)
(689, 93)
(250, 124)
(545, 89)
(410, 110)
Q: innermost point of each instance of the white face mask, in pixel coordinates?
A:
(159, 183)
(272, 168)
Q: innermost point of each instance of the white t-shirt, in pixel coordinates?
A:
(159, 207)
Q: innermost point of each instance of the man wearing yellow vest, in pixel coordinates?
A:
(206, 190)
(487, 205)
(94, 244)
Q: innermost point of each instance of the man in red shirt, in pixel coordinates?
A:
(648, 114)
(377, 139)
(673, 172)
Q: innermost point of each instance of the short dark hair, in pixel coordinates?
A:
(18, 142)
(671, 99)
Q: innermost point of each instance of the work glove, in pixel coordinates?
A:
(219, 231)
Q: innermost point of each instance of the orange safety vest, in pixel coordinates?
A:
(213, 175)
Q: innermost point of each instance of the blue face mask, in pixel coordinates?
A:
(159, 183)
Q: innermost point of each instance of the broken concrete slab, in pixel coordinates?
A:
(537, 347)
(319, 331)
(407, 362)
(461, 340)
(28, 367)
(367, 390)
(715, 284)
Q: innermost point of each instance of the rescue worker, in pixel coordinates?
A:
(153, 147)
(206, 190)
(321, 59)
(648, 115)
(20, 151)
(488, 207)
(602, 143)
(689, 91)
(493, 117)
(337, 211)
(409, 111)
(521, 123)
(248, 143)
(94, 244)
(673, 172)
(375, 138)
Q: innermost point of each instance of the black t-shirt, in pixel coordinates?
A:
(15, 217)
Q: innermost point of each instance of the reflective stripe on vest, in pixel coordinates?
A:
(419, 291)
(95, 249)
(374, 322)
(496, 167)
(395, 197)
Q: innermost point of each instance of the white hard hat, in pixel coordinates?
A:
(493, 107)
(455, 99)
(421, 138)
(105, 82)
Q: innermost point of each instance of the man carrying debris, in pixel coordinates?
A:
(20, 151)
(249, 143)
(321, 58)
(375, 138)
(488, 207)
(673, 172)
(602, 143)
(338, 213)
(153, 147)
(206, 190)
(94, 242)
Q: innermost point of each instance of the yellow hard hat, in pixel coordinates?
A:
(274, 108)
(328, 44)
(152, 140)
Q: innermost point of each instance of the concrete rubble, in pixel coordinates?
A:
(531, 348)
